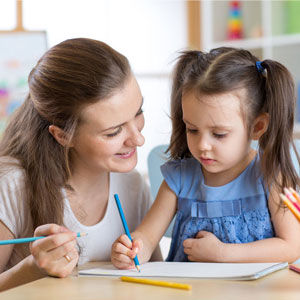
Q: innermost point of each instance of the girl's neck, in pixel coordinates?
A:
(222, 178)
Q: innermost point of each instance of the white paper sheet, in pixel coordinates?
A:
(234, 271)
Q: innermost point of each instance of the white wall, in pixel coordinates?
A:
(148, 32)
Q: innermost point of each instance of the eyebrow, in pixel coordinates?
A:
(211, 127)
(119, 125)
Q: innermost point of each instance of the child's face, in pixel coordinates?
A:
(110, 132)
(216, 135)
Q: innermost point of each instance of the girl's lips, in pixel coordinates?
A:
(126, 155)
(207, 161)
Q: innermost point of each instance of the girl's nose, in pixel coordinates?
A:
(204, 144)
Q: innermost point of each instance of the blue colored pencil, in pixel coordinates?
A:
(29, 239)
(136, 261)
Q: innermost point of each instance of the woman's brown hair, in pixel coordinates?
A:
(269, 89)
(68, 77)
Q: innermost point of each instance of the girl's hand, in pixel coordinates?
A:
(205, 247)
(123, 251)
(56, 254)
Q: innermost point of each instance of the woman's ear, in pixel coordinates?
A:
(59, 135)
(260, 126)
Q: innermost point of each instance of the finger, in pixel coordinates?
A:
(53, 241)
(188, 243)
(187, 251)
(124, 239)
(122, 261)
(62, 268)
(71, 256)
(68, 248)
(48, 259)
(48, 229)
(191, 258)
(202, 234)
(119, 248)
(137, 245)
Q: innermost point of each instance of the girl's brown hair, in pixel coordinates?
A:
(68, 77)
(268, 90)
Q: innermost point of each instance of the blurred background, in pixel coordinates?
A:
(151, 33)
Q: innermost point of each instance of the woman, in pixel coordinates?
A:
(65, 152)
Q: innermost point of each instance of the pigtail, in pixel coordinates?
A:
(276, 142)
(187, 70)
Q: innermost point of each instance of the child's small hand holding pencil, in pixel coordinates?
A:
(124, 251)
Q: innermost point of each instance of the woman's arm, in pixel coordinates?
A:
(16, 275)
(285, 246)
(47, 256)
(148, 234)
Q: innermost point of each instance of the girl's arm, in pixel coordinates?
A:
(47, 256)
(148, 234)
(285, 246)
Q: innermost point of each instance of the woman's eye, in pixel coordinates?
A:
(114, 133)
(139, 112)
(192, 131)
(219, 135)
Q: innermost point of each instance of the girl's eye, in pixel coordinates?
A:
(219, 135)
(114, 133)
(192, 131)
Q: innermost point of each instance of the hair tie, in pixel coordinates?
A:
(259, 67)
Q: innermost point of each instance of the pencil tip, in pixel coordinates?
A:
(82, 234)
(138, 268)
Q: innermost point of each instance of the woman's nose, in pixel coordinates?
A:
(135, 138)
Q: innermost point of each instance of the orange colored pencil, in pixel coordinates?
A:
(295, 194)
(290, 205)
(292, 198)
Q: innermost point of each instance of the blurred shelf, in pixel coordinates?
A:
(255, 43)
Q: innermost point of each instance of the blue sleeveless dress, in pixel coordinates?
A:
(235, 213)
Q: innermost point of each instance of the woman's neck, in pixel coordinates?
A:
(84, 184)
(88, 197)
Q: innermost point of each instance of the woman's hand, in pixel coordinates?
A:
(123, 251)
(205, 247)
(56, 254)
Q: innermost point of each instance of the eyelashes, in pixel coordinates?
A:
(115, 133)
(216, 135)
(141, 111)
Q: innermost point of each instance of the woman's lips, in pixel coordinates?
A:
(126, 155)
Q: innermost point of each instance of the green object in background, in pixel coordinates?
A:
(293, 16)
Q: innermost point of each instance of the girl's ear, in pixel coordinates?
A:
(59, 135)
(260, 126)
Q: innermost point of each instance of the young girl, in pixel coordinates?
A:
(65, 152)
(224, 193)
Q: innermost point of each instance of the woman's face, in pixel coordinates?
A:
(110, 131)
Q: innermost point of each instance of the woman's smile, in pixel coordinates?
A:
(126, 155)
